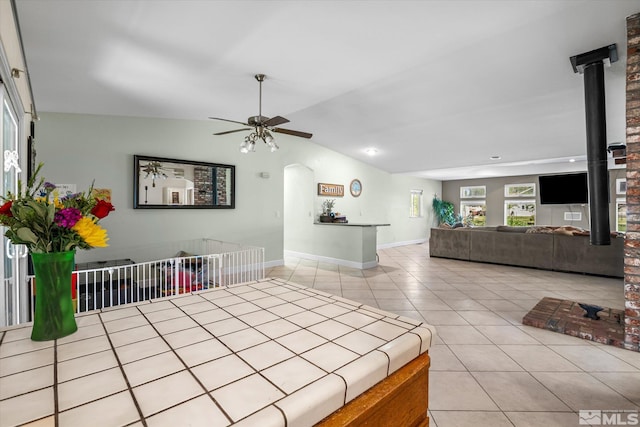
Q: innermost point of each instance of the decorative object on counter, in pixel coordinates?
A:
(445, 212)
(355, 188)
(327, 210)
(334, 190)
(340, 219)
(52, 228)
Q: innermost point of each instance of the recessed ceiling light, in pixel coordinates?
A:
(572, 160)
(495, 158)
(371, 151)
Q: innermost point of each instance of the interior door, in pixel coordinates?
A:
(13, 295)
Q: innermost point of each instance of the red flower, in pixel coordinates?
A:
(102, 209)
(6, 208)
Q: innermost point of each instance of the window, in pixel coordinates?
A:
(415, 204)
(621, 215)
(520, 212)
(476, 192)
(621, 186)
(520, 190)
(474, 212)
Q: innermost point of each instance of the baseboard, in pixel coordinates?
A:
(343, 262)
(274, 263)
(405, 243)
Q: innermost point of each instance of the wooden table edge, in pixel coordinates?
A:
(401, 399)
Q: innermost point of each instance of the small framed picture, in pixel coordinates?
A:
(355, 188)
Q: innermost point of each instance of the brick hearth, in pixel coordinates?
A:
(567, 317)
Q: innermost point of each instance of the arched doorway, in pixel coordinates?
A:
(298, 206)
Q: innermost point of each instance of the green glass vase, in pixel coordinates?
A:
(54, 316)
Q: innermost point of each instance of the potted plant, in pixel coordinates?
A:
(445, 212)
(53, 228)
(327, 210)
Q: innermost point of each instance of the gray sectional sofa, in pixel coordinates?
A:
(514, 246)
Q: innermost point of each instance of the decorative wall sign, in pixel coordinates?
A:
(355, 188)
(61, 190)
(102, 194)
(332, 190)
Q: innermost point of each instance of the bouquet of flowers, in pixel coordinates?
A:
(44, 223)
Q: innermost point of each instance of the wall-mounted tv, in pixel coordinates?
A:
(566, 189)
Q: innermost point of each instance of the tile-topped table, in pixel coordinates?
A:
(248, 355)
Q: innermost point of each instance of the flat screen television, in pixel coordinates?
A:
(566, 189)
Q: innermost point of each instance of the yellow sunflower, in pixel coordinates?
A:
(91, 233)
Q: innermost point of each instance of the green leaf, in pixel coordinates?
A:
(26, 235)
(51, 212)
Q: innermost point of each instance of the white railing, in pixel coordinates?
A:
(123, 281)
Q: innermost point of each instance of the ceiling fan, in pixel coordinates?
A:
(154, 170)
(261, 127)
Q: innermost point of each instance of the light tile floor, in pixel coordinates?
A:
(487, 369)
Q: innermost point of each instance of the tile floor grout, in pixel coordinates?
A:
(408, 282)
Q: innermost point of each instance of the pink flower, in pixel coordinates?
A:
(67, 217)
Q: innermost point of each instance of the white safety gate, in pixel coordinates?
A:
(206, 264)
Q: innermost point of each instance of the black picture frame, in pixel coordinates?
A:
(165, 183)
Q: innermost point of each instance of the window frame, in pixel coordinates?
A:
(519, 201)
(621, 201)
(470, 189)
(463, 213)
(507, 187)
(412, 204)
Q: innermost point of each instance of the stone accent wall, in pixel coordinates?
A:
(203, 185)
(632, 240)
(221, 184)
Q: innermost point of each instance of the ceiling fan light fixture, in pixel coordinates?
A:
(267, 137)
(154, 171)
(244, 147)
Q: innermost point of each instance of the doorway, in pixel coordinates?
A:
(298, 212)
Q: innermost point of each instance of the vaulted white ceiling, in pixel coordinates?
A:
(437, 87)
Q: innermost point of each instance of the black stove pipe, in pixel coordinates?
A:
(591, 64)
(597, 170)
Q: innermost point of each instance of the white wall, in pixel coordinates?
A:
(79, 148)
(385, 197)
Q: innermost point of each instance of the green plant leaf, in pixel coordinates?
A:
(26, 235)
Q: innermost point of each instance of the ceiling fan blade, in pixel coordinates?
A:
(293, 132)
(231, 131)
(275, 121)
(227, 120)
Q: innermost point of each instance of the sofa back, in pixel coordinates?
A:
(512, 248)
(539, 250)
(576, 253)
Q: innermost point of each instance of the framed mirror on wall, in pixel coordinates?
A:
(161, 183)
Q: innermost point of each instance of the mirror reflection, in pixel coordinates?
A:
(182, 184)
